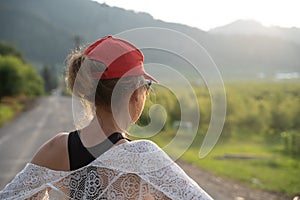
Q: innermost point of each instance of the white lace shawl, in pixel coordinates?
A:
(133, 170)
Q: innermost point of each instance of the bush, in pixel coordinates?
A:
(7, 49)
(265, 108)
(18, 77)
(10, 76)
(291, 140)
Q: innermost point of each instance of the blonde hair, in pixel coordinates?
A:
(93, 91)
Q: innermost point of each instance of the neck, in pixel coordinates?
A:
(110, 122)
(102, 126)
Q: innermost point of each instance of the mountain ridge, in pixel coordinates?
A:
(252, 27)
(45, 30)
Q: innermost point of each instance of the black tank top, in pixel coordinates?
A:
(80, 156)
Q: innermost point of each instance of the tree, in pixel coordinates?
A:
(18, 78)
(11, 80)
(7, 49)
(50, 79)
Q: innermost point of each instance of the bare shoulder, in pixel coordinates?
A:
(54, 153)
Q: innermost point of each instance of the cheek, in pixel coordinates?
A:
(137, 108)
(142, 102)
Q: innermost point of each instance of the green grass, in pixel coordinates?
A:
(9, 107)
(6, 114)
(269, 169)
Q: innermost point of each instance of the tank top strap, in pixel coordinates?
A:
(80, 156)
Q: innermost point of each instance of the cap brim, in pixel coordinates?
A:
(147, 76)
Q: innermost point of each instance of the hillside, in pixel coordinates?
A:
(251, 27)
(45, 30)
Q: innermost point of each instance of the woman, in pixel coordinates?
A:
(99, 161)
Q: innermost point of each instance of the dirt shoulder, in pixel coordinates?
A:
(221, 189)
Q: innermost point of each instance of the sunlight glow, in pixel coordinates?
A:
(207, 14)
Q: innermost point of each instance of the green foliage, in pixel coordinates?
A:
(6, 113)
(33, 84)
(262, 122)
(266, 169)
(10, 76)
(262, 108)
(291, 140)
(7, 49)
(18, 77)
(9, 106)
(19, 82)
(164, 97)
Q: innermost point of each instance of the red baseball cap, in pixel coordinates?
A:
(121, 58)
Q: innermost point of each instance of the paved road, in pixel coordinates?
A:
(21, 138)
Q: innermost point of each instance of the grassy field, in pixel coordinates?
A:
(254, 161)
(260, 141)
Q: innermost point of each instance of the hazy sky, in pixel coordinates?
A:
(207, 14)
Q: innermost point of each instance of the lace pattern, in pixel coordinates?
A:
(135, 170)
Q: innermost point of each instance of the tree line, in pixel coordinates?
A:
(267, 109)
(16, 75)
